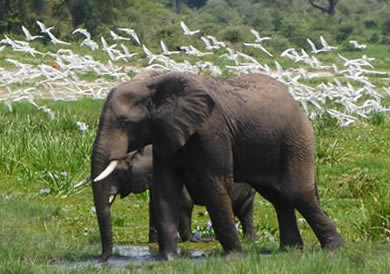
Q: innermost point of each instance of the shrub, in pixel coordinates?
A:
(344, 31)
(233, 34)
(370, 24)
(374, 38)
(386, 27)
(295, 29)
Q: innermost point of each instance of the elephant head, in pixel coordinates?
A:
(165, 110)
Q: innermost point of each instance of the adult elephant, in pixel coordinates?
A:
(206, 134)
(134, 175)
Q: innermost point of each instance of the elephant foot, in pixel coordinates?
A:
(286, 248)
(104, 258)
(191, 237)
(162, 256)
(291, 244)
(250, 236)
(334, 243)
(235, 254)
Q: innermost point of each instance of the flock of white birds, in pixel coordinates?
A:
(348, 86)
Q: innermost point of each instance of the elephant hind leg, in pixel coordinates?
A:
(288, 228)
(323, 227)
(289, 232)
(185, 218)
(219, 206)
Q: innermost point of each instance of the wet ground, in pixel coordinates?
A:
(125, 255)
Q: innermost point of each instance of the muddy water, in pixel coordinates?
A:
(125, 255)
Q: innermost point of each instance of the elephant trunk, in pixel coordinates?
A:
(103, 213)
(101, 193)
(102, 205)
(110, 146)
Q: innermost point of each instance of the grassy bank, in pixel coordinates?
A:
(48, 227)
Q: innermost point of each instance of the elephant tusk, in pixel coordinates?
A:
(83, 182)
(109, 169)
(111, 199)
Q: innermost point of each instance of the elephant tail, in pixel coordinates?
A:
(316, 187)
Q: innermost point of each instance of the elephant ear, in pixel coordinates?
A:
(180, 105)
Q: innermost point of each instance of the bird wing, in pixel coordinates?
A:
(184, 27)
(26, 33)
(313, 47)
(163, 46)
(256, 34)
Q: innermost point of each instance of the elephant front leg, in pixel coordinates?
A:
(152, 221)
(219, 206)
(167, 199)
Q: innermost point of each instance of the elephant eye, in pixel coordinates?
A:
(124, 122)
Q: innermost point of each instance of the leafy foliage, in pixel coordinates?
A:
(153, 20)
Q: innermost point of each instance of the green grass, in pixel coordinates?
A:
(43, 232)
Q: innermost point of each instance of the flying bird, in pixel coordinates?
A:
(28, 35)
(132, 33)
(43, 27)
(166, 52)
(55, 40)
(356, 44)
(126, 55)
(117, 37)
(258, 46)
(325, 46)
(208, 44)
(216, 42)
(109, 49)
(83, 32)
(150, 55)
(259, 39)
(187, 31)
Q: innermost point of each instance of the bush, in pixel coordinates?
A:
(386, 27)
(374, 38)
(344, 31)
(295, 29)
(370, 24)
(279, 43)
(233, 34)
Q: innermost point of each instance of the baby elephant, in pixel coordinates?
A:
(135, 175)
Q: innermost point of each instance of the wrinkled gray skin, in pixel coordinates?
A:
(135, 176)
(207, 134)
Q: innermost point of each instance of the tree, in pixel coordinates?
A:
(330, 10)
(178, 10)
(83, 12)
(14, 13)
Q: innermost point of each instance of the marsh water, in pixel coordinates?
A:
(125, 255)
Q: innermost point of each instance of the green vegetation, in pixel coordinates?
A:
(57, 231)
(47, 226)
(290, 21)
